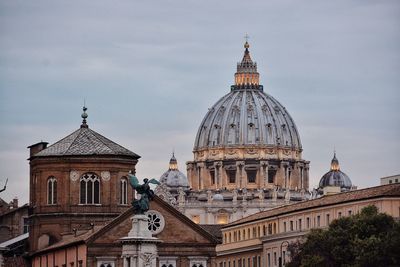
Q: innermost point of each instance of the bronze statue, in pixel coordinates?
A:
(5, 186)
(146, 194)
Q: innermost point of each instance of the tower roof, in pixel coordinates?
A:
(85, 142)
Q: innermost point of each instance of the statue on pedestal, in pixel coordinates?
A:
(146, 194)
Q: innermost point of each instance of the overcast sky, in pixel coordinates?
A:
(149, 70)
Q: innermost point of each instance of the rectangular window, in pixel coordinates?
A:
(300, 226)
(83, 192)
(123, 191)
(284, 257)
(318, 221)
(251, 176)
(328, 219)
(212, 175)
(89, 185)
(308, 222)
(271, 176)
(340, 214)
(26, 224)
(284, 226)
(269, 259)
(291, 225)
(231, 176)
(50, 192)
(275, 259)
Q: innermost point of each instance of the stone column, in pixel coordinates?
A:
(218, 175)
(191, 176)
(280, 175)
(306, 177)
(139, 247)
(264, 170)
(200, 175)
(239, 174)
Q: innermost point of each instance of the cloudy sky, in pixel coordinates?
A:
(149, 70)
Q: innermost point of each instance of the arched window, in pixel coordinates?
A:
(123, 191)
(90, 189)
(52, 190)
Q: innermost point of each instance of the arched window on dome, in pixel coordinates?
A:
(89, 189)
(123, 191)
(52, 190)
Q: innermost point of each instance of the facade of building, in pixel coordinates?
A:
(182, 242)
(390, 179)
(77, 183)
(247, 156)
(13, 220)
(261, 239)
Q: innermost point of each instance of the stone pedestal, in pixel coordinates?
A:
(139, 248)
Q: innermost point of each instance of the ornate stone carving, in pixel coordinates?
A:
(147, 258)
(105, 176)
(163, 192)
(74, 175)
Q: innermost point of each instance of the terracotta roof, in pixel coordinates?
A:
(85, 141)
(70, 241)
(392, 190)
(213, 229)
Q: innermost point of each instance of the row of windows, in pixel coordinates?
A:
(89, 192)
(250, 232)
(271, 228)
(298, 225)
(251, 176)
(254, 261)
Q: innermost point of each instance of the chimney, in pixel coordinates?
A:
(14, 203)
(36, 148)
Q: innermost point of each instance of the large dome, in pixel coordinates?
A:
(247, 117)
(247, 140)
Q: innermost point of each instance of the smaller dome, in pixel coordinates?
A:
(218, 197)
(173, 178)
(335, 177)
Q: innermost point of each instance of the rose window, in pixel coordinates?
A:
(156, 222)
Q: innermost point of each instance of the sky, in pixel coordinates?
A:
(149, 71)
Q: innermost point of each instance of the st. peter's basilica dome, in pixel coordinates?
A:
(247, 140)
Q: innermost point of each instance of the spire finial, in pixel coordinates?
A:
(335, 162)
(84, 117)
(173, 163)
(246, 44)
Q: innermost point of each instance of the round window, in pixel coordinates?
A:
(156, 222)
